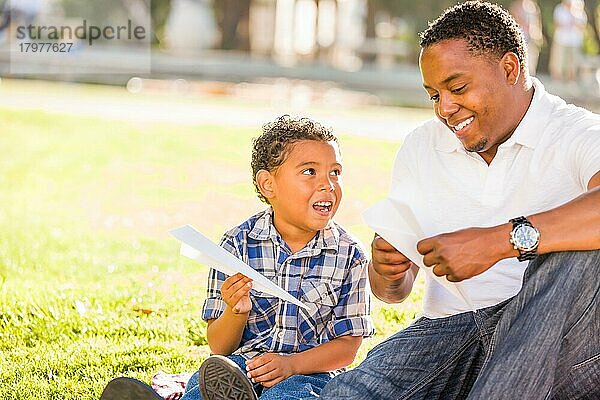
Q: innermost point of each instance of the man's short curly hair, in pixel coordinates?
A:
(272, 147)
(487, 28)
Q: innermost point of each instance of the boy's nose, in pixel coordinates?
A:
(326, 184)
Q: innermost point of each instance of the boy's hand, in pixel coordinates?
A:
(269, 369)
(236, 293)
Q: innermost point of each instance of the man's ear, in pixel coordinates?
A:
(512, 67)
(266, 183)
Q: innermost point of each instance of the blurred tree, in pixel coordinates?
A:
(419, 13)
(232, 19)
(415, 13)
(591, 8)
(102, 11)
(160, 12)
(93, 11)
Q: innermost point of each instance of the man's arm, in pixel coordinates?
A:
(391, 274)
(572, 226)
(463, 254)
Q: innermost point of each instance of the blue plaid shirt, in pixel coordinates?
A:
(329, 275)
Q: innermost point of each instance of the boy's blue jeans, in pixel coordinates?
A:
(294, 387)
(544, 343)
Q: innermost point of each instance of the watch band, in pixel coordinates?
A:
(519, 221)
(523, 254)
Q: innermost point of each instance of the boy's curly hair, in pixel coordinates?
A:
(271, 148)
(487, 28)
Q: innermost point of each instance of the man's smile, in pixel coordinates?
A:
(462, 125)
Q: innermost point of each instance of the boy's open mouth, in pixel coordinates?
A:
(323, 207)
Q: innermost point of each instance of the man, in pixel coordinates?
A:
(510, 171)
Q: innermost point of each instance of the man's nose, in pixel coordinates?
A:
(447, 107)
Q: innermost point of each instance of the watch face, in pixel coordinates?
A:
(526, 237)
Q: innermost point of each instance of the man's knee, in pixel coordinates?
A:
(570, 257)
(577, 266)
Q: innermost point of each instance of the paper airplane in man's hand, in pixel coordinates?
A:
(394, 221)
(198, 247)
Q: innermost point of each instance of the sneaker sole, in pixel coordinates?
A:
(128, 389)
(221, 379)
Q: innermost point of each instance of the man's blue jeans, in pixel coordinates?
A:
(294, 387)
(544, 343)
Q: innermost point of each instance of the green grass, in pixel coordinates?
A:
(91, 286)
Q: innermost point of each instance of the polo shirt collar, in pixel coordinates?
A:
(327, 238)
(528, 133)
(531, 128)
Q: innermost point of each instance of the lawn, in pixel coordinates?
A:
(91, 285)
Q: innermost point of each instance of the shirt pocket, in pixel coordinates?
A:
(320, 298)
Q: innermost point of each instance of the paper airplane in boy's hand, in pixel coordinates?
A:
(198, 247)
(397, 224)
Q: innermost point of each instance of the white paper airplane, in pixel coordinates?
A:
(397, 224)
(198, 247)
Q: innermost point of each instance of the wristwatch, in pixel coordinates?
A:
(525, 238)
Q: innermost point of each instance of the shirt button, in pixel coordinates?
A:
(280, 334)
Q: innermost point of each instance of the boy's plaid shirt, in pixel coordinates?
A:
(329, 275)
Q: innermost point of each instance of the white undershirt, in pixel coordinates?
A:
(548, 161)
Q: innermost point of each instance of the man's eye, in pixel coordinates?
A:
(309, 171)
(434, 98)
(459, 90)
(336, 172)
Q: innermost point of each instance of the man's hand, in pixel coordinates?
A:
(388, 262)
(269, 369)
(463, 254)
(236, 293)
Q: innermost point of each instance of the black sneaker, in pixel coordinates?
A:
(128, 389)
(221, 379)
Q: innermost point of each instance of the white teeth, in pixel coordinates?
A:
(463, 124)
(323, 204)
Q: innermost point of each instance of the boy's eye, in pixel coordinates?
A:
(309, 171)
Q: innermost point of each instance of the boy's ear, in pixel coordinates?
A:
(265, 182)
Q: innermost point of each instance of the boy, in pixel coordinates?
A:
(263, 345)
(282, 349)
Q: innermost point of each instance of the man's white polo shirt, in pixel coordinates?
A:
(548, 161)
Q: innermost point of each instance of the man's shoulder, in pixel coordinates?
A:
(570, 114)
(568, 119)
